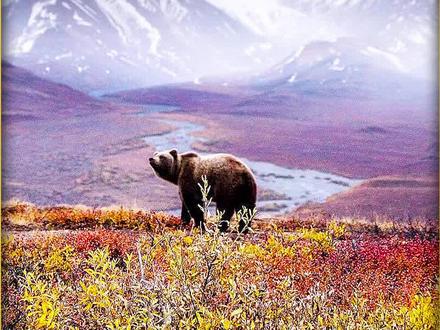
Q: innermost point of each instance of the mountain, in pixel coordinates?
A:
(101, 46)
(27, 96)
(342, 80)
(345, 67)
(405, 28)
(107, 45)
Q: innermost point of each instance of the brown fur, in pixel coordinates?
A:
(232, 183)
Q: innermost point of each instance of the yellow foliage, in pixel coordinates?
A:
(187, 240)
(422, 313)
(323, 239)
(42, 303)
(59, 260)
(337, 229)
(252, 250)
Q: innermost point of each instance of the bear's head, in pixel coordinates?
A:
(165, 165)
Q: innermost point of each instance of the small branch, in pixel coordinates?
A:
(140, 263)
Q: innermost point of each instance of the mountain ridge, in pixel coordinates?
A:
(28, 96)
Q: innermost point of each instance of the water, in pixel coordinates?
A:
(180, 138)
(299, 186)
(155, 108)
(293, 187)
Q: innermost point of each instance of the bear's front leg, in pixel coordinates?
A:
(191, 199)
(198, 217)
(196, 213)
(185, 216)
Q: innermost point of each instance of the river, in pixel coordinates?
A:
(292, 187)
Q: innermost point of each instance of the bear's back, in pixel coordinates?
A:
(225, 169)
(215, 167)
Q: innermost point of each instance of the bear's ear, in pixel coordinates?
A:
(173, 153)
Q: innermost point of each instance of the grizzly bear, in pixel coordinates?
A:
(232, 184)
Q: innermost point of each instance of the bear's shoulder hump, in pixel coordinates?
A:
(189, 154)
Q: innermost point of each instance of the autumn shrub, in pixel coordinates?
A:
(306, 278)
(24, 216)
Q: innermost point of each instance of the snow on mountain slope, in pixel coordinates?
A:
(403, 28)
(105, 45)
(128, 21)
(111, 44)
(345, 67)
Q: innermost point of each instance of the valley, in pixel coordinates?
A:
(321, 119)
(97, 156)
(364, 139)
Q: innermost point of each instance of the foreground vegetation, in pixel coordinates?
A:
(122, 269)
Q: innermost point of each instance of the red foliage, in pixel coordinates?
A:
(118, 242)
(379, 269)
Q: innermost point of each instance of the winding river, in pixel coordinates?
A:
(287, 188)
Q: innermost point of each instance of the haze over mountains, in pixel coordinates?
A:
(104, 45)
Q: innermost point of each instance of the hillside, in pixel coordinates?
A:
(353, 139)
(180, 95)
(382, 197)
(359, 138)
(27, 96)
(353, 136)
(57, 143)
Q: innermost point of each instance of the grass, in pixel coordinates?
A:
(124, 269)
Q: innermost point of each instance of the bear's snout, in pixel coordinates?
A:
(152, 162)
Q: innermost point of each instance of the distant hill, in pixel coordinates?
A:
(27, 96)
(398, 198)
(178, 94)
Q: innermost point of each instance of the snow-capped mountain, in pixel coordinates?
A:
(404, 28)
(109, 44)
(346, 67)
(106, 45)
